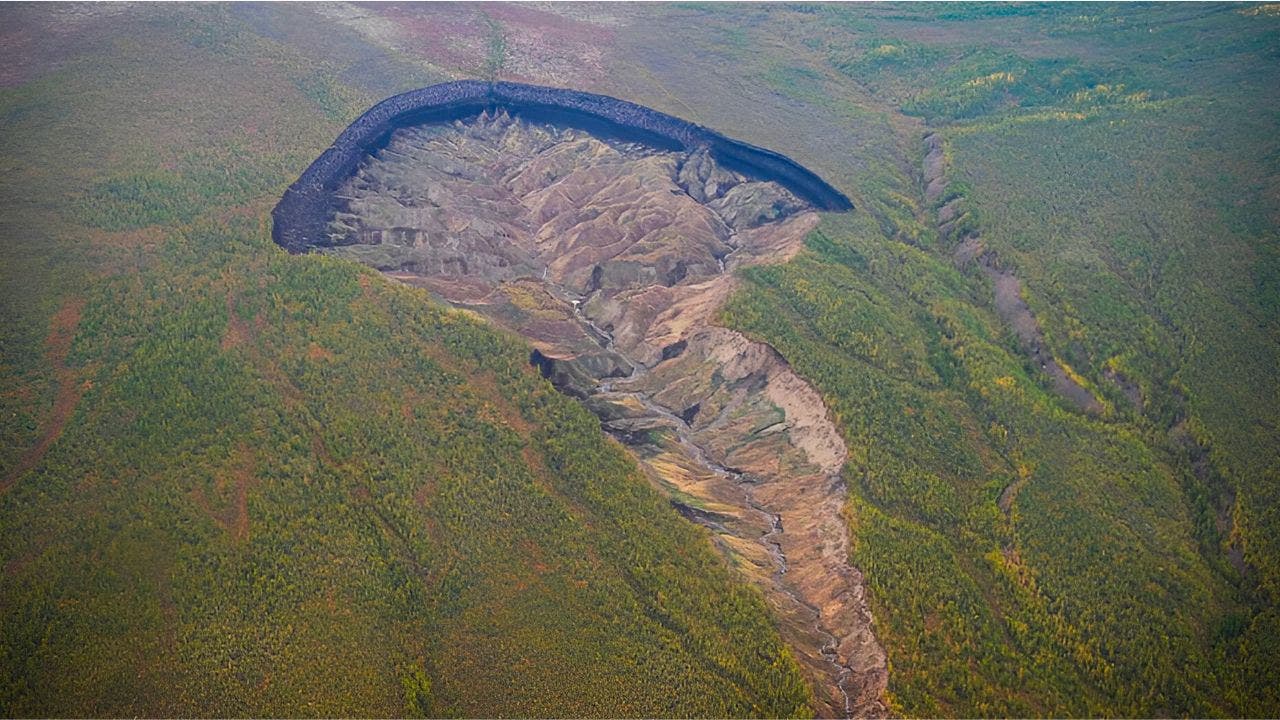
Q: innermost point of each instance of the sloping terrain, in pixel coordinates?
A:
(612, 260)
(353, 547)
(175, 540)
(238, 483)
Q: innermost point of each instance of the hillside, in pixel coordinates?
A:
(239, 482)
(611, 258)
(1059, 386)
(242, 483)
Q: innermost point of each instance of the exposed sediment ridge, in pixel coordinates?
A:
(612, 256)
(299, 216)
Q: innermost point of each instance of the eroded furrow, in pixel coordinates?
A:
(612, 260)
(968, 248)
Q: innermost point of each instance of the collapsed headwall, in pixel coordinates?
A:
(300, 218)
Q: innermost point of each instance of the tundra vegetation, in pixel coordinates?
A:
(235, 482)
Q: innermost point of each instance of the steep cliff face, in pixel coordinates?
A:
(612, 257)
(298, 218)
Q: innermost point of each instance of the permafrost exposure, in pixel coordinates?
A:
(607, 235)
(299, 217)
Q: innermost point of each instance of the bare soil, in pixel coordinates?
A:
(613, 260)
(71, 387)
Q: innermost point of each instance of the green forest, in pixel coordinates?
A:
(286, 486)
(235, 482)
(1027, 558)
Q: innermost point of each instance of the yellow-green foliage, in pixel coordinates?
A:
(431, 531)
(940, 420)
(1024, 558)
(287, 486)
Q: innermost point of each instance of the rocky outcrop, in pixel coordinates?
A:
(299, 218)
(612, 257)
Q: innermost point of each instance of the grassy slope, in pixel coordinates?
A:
(285, 486)
(1142, 228)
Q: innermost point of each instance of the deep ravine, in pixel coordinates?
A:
(840, 671)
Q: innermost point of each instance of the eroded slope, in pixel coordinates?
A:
(612, 259)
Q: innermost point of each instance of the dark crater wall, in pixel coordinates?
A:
(301, 216)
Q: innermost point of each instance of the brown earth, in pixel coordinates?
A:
(71, 387)
(613, 259)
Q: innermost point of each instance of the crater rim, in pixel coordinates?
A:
(299, 219)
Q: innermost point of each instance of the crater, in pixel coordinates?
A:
(607, 234)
